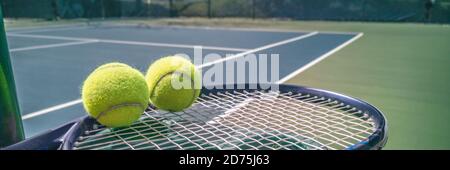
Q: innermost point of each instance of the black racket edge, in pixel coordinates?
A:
(65, 136)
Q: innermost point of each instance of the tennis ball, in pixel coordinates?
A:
(115, 94)
(108, 65)
(173, 83)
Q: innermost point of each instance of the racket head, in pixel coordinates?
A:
(275, 137)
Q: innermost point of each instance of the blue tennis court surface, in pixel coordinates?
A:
(50, 64)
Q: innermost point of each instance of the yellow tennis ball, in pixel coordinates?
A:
(174, 83)
(115, 94)
(113, 64)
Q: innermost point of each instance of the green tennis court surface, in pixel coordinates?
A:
(400, 68)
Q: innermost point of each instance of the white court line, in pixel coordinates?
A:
(259, 49)
(51, 109)
(171, 45)
(317, 60)
(51, 46)
(49, 37)
(44, 27)
(113, 23)
(51, 29)
(74, 102)
(246, 29)
(154, 44)
(264, 30)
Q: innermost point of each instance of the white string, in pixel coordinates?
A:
(241, 120)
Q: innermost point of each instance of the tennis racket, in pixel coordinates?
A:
(288, 118)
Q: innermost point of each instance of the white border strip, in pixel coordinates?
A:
(154, 44)
(51, 109)
(171, 45)
(247, 29)
(43, 27)
(51, 29)
(74, 102)
(49, 37)
(51, 46)
(259, 49)
(317, 60)
(115, 23)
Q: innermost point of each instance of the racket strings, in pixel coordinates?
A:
(331, 117)
(130, 140)
(258, 127)
(245, 116)
(241, 120)
(313, 130)
(326, 120)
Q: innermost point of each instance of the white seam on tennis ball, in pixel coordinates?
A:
(157, 82)
(175, 72)
(117, 107)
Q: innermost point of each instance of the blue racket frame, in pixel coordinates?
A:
(64, 136)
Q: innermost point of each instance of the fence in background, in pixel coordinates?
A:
(342, 10)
